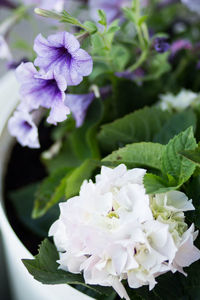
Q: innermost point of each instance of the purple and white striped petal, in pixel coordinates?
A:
(45, 90)
(24, 129)
(61, 53)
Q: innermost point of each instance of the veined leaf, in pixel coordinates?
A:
(138, 126)
(157, 185)
(137, 155)
(176, 165)
(192, 155)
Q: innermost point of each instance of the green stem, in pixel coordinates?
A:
(139, 62)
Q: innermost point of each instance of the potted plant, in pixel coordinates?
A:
(111, 106)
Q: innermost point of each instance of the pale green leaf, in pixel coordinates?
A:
(176, 165)
(137, 155)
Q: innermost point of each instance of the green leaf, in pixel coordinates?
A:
(175, 169)
(65, 17)
(138, 126)
(44, 268)
(142, 20)
(97, 43)
(173, 163)
(129, 14)
(137, 155)
(91, 27)
(50, 192)
(113, 29)
(76, 178)
(102, 16)
(192, 155)
(175, 125)
(156, 185)
(159, 66)
(120, 57)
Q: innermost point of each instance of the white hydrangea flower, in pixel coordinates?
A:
(113, 231)
(179, 102)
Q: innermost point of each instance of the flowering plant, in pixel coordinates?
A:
(110, 87)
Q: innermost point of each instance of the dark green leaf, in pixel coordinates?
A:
(192, 155)
(177, 122)
(139, 126)
(23, 201)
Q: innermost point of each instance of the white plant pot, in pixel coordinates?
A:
(22, 283)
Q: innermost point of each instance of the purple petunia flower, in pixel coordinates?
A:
(179, 45)
(56, 5)
(45, 90)
(161, 45)
(61, 53)
(138, 73)
(78, 105)
(24, 129)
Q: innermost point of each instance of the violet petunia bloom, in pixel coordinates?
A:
(56, 5)
(24, 129)
(61, 53)
(161, 45)
(135, 75)
(78, 105)
(45, 90)
(180, 45)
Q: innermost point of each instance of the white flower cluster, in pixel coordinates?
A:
(113, 231)
(179, 102)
